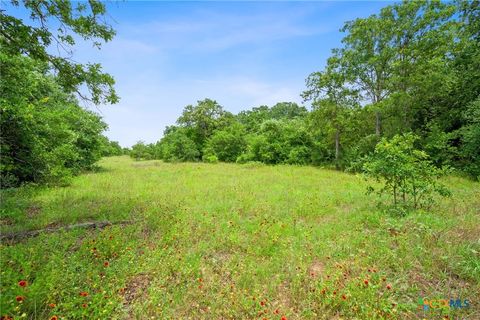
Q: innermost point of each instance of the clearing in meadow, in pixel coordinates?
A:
(228, 241)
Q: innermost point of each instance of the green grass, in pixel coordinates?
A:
(227, 241)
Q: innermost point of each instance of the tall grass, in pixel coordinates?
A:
(227, 241)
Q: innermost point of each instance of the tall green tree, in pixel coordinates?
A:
(332, 100)
(203, 119)
(366, 59)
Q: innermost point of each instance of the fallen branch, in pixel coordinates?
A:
(17, 236)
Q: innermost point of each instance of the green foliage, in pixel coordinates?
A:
(142, 151)
(84, 19)
(178, 146)
(226, 144)
(279, 141)
(470, 138)
(111, 148)
(406, 173)
(45, 136)
(203, 119)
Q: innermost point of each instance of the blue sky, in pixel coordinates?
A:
(167, 55)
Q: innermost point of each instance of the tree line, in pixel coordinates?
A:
(412, 68)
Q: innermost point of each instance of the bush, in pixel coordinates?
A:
(210, 159)
(226, 144)
(46, 137)
(178, 146)
(408, 175)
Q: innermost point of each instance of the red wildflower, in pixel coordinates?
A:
(5, 317)
(389, 286)
(52, 305)
(366, 282)
(22, 283)
(200, 280)
(276, 311)
(200, 287)
(284, 318)
(334, 292)
(84, 305)
(344, 297)
(54, 318)
(106, 264)
(262, 303)
(323, 291)
(20, 298)
(83, 294)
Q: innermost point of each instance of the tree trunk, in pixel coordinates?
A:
(337, 149)
(377, 123)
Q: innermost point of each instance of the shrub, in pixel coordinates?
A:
(407, 174)
(226, 144)
(178, 146)
(210, 159)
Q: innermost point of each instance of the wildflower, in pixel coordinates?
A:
(323, 291)
(54, 318)
(284, 318)
(366, 282)
(20, 298)
(262, 303)
(200, 280)
(84, 305)
(334, 292)
(106, 264)
(200, 287)
(83, 294)
(389, 286)
(52, 305)
(276, 311)
(344, 297)
(22, 283)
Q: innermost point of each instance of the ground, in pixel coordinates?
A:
(228, 241)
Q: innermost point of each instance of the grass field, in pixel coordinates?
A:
(227, 241)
